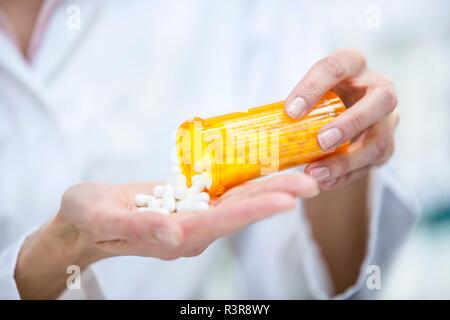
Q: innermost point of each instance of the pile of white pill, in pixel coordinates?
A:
(176, 196)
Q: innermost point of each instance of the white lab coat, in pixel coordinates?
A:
(102, 103)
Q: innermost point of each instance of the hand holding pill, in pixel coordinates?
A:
(108, 221)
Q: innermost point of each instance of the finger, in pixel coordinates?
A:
(226, 219)
(377, 104)
(369, 150)
(322, 77)
(241, 189)
(391, 124)
(352, 176)
(297, 184)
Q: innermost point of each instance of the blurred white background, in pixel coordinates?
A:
(410, 41)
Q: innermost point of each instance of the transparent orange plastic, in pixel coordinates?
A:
(240, 146)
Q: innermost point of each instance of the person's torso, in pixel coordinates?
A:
(102, 103)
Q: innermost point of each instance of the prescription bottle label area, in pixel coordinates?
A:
(241, 146)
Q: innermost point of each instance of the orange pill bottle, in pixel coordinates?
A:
(241, 146)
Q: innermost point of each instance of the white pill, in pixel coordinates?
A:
(179, 179)
(202, 196)
(154, 202)
(154, 209)
(168, 190)
(141, 200)
(203, 179)
(160, 210)
(180, 192)
(158, 191)
(192, 206)
(168, 200)
(176, 178)
(196, 179)
(195, 189)
(207, 165)
(202, 165)
(199, 166)
(207, 182)
(169, 204)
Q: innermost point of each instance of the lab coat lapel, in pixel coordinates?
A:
(49, 58)
(68, 26)
(12, 62)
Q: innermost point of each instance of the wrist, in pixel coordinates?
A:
(71, 245)
(40, 271)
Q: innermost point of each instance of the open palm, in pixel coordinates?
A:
(106, 217)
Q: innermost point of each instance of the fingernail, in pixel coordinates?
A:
(320, 173)
(329, 138)
(296, 107)
(167, 236)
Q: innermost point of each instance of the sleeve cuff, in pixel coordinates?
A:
(8, 260)
(90, 288)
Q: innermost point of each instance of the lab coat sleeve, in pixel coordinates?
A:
(8, 259)
(89, 289)
(280, 258)
(393, 213)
